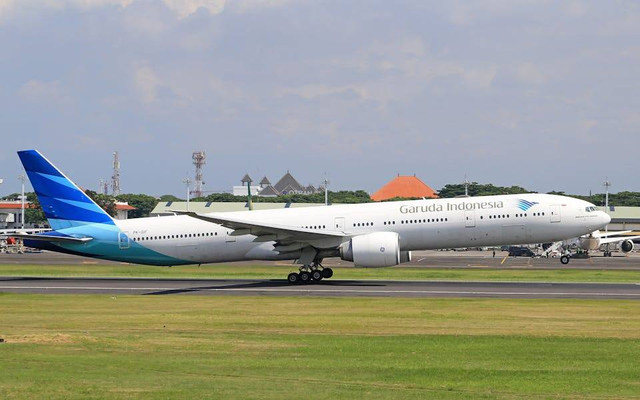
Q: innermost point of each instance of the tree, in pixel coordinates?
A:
(34, 214)
(104, 201)
(12, 197)
(169, 197)
(477, 189)
(622, 199)
(143, 203)
(343, 196)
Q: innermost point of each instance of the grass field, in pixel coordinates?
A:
(238, 271)
(77, 346)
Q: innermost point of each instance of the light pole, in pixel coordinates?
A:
(22, 178)
(326, 191)
(606, 185)
(466, 186)
(187, 182)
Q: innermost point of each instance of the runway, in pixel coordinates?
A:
(421, 259)
(330, 288)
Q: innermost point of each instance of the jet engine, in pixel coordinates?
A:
(626, 246)
(374, 250)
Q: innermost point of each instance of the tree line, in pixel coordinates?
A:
(144, 203)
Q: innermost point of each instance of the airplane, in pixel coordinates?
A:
(596, 239)
(370, 235)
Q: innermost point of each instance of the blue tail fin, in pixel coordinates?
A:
(63, 203)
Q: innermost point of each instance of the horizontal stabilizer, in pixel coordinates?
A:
(50, 238)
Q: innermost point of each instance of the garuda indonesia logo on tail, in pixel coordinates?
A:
(525, 205)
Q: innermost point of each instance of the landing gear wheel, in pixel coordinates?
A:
(565, 259)
(293, 278)
(327, 273)
(316, 275)
(305, 277)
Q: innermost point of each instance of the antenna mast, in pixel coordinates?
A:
(199, 160)
(115, 178)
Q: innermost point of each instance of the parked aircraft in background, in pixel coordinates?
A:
(370, 235)
(598, 240)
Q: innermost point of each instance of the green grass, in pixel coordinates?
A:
(231, 271)
(155, 347)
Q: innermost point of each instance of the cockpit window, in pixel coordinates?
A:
(590, 209)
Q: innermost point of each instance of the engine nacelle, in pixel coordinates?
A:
(373, 250)
(626, 246)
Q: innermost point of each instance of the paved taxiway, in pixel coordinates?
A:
(335, 288)
(421, 259)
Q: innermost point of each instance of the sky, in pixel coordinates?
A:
(541, 94)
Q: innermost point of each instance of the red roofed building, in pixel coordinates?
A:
(122, 210)
(404, 186)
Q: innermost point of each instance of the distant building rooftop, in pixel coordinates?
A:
(404, 186)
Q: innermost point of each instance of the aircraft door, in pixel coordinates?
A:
(470, 219)
(339, 224)
(554, 212)
(123, 240)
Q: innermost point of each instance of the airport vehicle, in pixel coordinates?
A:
(370, 235)
(519, 251)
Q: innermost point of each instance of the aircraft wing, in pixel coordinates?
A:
(607, 240)
(49, 238)
(268, 231)
(607, 234)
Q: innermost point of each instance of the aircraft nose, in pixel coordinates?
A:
(606, 218)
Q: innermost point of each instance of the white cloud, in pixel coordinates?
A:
(528, 72)
(404, 67)
(248, 5)
(59, 4)
(146, 83)
(312, 91)
(465, 12)
(479, 78)
(43, 92)
(576, 8)
(184, 8)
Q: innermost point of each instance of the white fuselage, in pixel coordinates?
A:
(420, 224)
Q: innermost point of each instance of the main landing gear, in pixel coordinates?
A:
(308, 273)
